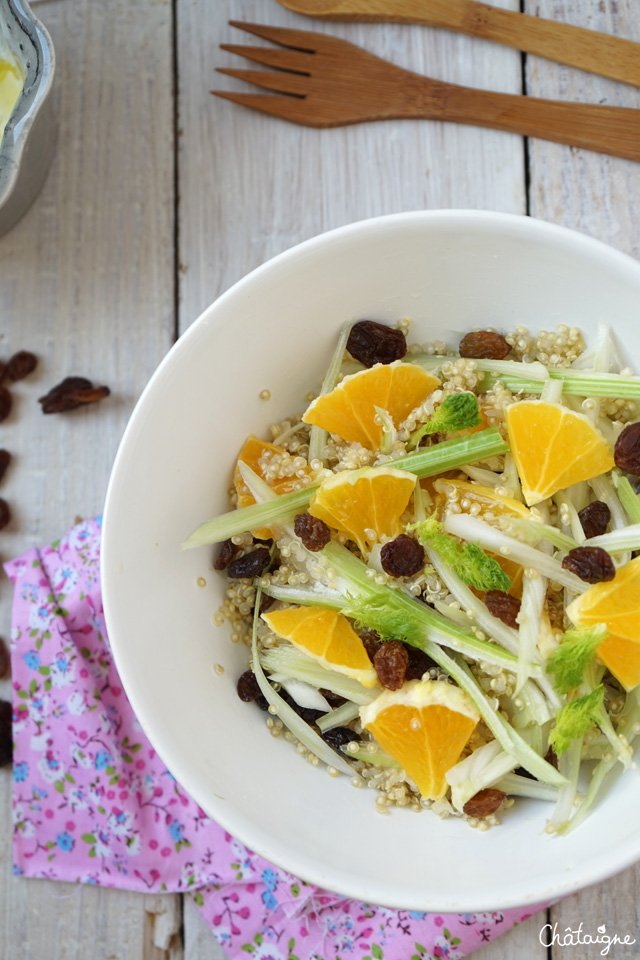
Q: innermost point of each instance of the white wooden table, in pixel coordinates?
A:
(159, 198)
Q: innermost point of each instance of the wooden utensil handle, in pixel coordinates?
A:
(589, 50)
(612, 130)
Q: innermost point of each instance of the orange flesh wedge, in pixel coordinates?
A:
(350, 408)
(616, 603)
(251, 454)
(326, 636)
(424, 726)
(364, 504)
(554, 448)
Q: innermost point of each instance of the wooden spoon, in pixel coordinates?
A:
(599, 53)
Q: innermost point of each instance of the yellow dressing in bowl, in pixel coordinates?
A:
(11, 83)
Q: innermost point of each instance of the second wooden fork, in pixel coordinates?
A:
(329, 82)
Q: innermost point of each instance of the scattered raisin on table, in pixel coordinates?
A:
(5, 513)
(4, 658)
(391, 662)
(70, 393)
(5, 460)
(402, 557)
(6, 739)
(419, 663)
(591, 564)
(372, 643)
(250, 565)
(503, 606)
(594, 519)
(6, 401)
(484, 345)
(228, 551)
(371, 342)
(338, 736)
(484, 802)
(248, 689)
(313, 532)
(20, 365)
(626, 452)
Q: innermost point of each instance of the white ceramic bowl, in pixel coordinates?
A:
(450, 271)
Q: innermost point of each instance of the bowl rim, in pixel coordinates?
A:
(597, 870)
(32, 96)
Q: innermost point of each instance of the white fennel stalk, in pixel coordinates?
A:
(317, 436)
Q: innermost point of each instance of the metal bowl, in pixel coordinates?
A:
(28, 141)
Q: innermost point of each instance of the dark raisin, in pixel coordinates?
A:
(333, 699)
(308, 714)
(250, 565)
(371, 342)
(228, 551)
(6, 738)
(372, 643)
(484, 802)
(503, 606)
(265, 602)
(626, 452)
(391, 662)
(419, 663)
(5, 513)
(247, 687)
(314, 533)
(551, 757)
(267, 543)
(594, 519)
(402, 557)
(338, 736)
(70, 393)
(20, 365)
(3, 370)
(4, 658)
(5, 459)
(524, 773)
(5, 403)
(484, 345)
(591, 564)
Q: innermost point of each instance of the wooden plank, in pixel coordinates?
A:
(521, 943)
(599, 196)
(87, 284)
(251, 186)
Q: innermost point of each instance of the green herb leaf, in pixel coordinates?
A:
(575, 719)
(473, 566)
(574, 655)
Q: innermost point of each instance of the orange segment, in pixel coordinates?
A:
(424, 726)
(326, 636)
(251, 454)
(554, 448)
(349, 409)
(364, 504)
(615, 603)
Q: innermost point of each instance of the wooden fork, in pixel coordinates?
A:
(589, 50)
(330, 82)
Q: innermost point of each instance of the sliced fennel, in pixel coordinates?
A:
(287, 660)
(535, 531)
(479, 770)
(424, 463)
(477, 531)
(338, 716)
(628, 497)
(298, 727)
(516, 786)
(317, 436)
(618, 541)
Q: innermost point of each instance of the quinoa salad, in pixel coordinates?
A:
(435, 568)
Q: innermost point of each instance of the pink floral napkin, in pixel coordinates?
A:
(93, 803)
